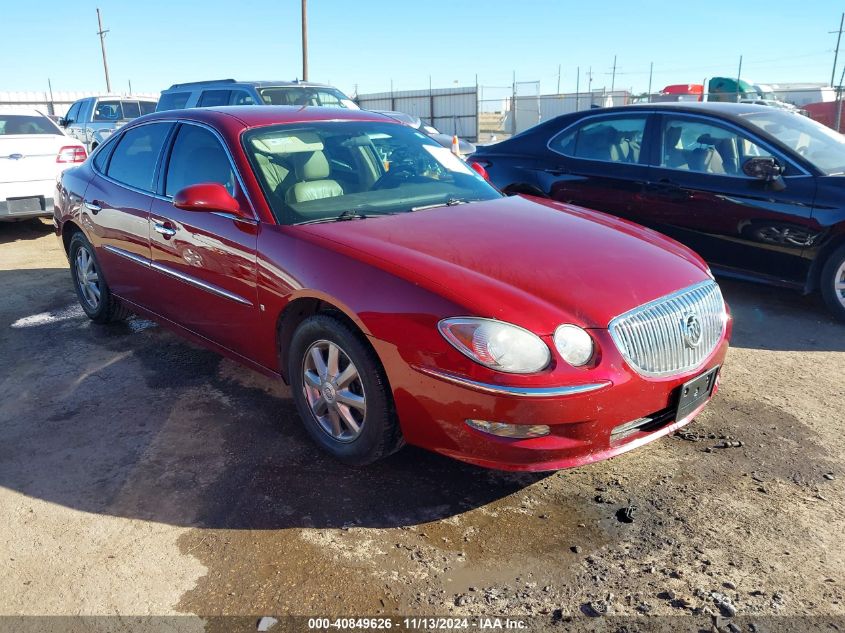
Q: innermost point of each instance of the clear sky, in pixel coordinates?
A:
(368, 43)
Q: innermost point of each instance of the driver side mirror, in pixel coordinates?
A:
(766, 169)
(208, 196)
(65, 122)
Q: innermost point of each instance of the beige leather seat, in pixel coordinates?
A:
(312, 173)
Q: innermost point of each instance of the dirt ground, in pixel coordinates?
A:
(140, 475)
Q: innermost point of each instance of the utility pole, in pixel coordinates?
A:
(578, 89)
(836, 54)
(304, 40)
(650, 75)
(738, 76)
(102, 35)
(558, 79)
(613, 77)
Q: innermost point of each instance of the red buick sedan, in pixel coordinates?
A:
(403, 298)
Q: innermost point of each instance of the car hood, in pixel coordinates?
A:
(529, 261)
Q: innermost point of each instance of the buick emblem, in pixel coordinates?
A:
(691, 330)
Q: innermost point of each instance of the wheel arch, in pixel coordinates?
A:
(813, 282)
(300, 308)
(69, 227)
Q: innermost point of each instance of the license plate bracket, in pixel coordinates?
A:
(32, 204)
(694, 392)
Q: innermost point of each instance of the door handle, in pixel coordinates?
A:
(556, 172)
(93, 207)
(668, 188)
(165, 230)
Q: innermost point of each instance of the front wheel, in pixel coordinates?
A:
(833, 283)
(341, 392)
(91, 288)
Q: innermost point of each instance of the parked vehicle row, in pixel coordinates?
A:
(756, 191)
(33, 152)
(403, 298)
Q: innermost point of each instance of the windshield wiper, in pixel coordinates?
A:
(348, 214)
(451, 202)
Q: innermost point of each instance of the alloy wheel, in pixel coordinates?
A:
(87, 278)
(839, 283)
(334, 390)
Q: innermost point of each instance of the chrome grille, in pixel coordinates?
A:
(657, 339)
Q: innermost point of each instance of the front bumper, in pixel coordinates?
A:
(585, 423)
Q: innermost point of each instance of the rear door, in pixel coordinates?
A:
(599, 162)
(205, 261)
(117, 206)
(698, 194)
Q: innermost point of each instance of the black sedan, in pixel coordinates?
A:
(758, 192)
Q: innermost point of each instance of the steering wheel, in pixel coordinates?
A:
(398, 174)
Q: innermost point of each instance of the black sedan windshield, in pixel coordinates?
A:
(817, 143)
(337, 170)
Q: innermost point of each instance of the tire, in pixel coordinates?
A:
(833, 283)
(92, 291)
(321, 399)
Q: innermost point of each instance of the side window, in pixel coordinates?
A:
(73, 114)
(147, 106)
(612, 139)
(211, 98)
(197, 157)
(241, 97)
(709, 148)
(133, 161)
(173, 101)
(84, 113)
(131, 109)
(107, 111)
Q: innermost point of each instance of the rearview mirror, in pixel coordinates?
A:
(207, 196)
(65, 122)
(763, 168)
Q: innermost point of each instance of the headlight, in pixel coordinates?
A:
(497, 344)
(574, 345)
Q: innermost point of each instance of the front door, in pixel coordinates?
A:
(205, 261)
(698, 194)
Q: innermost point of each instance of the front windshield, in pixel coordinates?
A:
(333, 170)
(819, 144)
(306, 95)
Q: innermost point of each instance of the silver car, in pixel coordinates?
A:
(94, 119)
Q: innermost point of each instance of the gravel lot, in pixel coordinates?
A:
(141, 475)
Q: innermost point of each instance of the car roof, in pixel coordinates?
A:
(119, 98)
(234, 82)
(261, 115)
(21, 111)
(715, 107)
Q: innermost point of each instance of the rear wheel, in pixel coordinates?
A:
(341, 392)
(833, 283)
(92, 291)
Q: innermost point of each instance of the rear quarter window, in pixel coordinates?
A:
(212, 98)
(171, 101)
